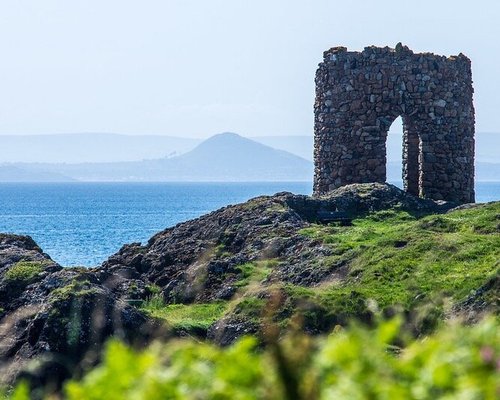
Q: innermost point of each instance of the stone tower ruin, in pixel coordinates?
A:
(358, 97)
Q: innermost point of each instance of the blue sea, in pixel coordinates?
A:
(84, 223)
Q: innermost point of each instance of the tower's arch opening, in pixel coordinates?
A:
(394, 153)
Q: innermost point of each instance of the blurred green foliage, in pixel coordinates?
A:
(456, 362)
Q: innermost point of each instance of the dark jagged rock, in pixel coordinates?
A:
(53, 319)
(224, 331)
(198, 260)
(14, 248)
(22, 264)
(201, 260)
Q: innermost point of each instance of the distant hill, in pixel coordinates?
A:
(90, 147)
(298, 145)
(226, 157)
(78, 148)
(223, 157)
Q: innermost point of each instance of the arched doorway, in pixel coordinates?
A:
(394, 153)
(403, 151)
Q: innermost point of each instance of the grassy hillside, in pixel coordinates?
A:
(425, 266)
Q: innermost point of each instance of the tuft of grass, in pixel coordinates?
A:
(250, 308)
(255, 272)
(77, 288)
(153, 289)
(221, 252)
(24, 271)
(186, 317)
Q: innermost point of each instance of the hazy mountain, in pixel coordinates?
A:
(90, 147)
(227, 157)
(299, 145)
(11, 173)
(223, 157)
(107, 147)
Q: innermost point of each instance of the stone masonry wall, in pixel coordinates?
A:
(358, 97)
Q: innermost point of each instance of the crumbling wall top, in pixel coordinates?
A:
(399, 51)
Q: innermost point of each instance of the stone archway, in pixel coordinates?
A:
(360, 94)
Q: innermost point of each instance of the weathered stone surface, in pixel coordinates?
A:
(53, 319)
(360, 94)
(198, 260)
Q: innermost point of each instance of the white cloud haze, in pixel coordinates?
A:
(195, 68)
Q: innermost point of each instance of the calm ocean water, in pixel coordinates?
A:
(84, 223)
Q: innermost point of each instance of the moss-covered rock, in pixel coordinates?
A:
(24, 272)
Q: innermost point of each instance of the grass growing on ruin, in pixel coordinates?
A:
(395, 258)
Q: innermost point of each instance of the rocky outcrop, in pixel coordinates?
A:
(200, 260)
(54, 319)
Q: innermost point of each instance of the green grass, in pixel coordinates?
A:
(220, 251)
(255, 272)
(188, 317)
(75, 289)
(388, 259)
(250, 308)
(24, 271)
(395, 258)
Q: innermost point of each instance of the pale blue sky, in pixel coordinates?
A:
(196, 68)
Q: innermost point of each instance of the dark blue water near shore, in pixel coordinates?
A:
(84, 223)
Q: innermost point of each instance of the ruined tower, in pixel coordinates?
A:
(358, 97)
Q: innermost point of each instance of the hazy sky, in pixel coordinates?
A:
(195, 68)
